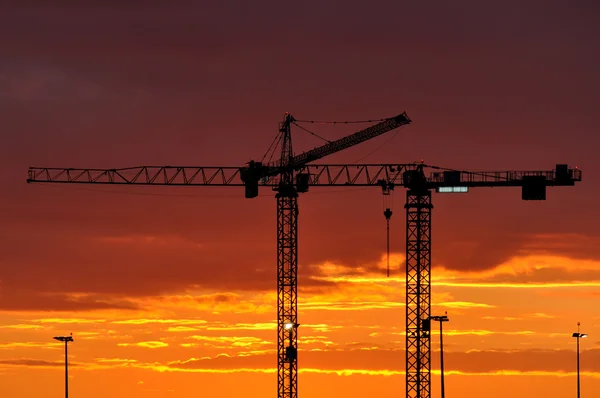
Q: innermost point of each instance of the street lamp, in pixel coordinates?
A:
(578, 336)
(67, 340)
(291, 353)
(441, 319)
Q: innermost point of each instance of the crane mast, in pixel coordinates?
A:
(287, 271)
(418, 284)
(291, 176)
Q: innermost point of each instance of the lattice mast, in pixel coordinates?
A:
(418, 281)
(287, 270)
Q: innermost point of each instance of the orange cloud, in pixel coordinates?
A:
(160, 321)
(145, 344)
(115, 360)
(68, 320)
(21, 326)
(33, 362)
(382, 360)
(231, 341)
(29, 345)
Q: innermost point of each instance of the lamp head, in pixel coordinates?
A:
(64, 338)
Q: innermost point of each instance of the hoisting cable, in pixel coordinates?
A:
(388, 214)
(295, 122)
(387, 191)
(310, 132)
(272, 148)
(378, 148)
(341, 122)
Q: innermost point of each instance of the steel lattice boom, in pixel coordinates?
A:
(349, 141)
(319, 175)
(291, 176)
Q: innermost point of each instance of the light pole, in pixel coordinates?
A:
(291, 351)
(441, 319)
(67, 340)
(578, 336)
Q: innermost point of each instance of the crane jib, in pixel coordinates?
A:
(350, 140)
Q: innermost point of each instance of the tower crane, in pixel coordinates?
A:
(293, 175)
(287, 179)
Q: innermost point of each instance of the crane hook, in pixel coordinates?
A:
(388, 214)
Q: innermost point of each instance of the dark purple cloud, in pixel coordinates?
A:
(489, 85)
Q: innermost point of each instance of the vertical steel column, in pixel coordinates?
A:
(442, 387)
(287, 293)
(418, 300)
(66, 369)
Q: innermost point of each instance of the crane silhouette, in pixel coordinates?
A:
(287, 178)
(292, 175)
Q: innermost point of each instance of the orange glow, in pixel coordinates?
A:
(352, 330)
(170, 291)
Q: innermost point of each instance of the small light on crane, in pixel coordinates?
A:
(452, 189)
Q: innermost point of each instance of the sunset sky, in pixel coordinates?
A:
(170, 292)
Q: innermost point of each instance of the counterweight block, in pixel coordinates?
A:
(534, 188)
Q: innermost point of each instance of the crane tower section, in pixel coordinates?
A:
(287, 270)
(418, 291)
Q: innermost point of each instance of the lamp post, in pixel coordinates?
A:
(66, 340)
(578, 336)
(441, 319)
(291, 351)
